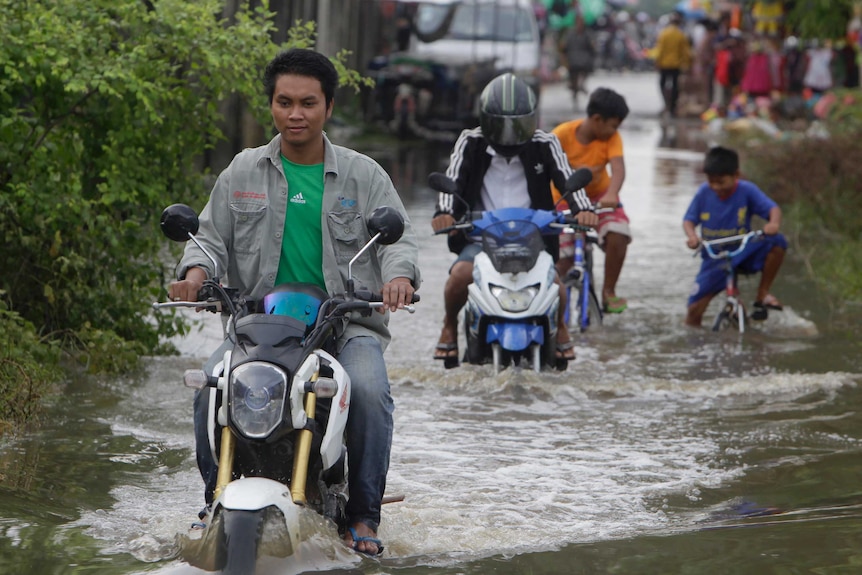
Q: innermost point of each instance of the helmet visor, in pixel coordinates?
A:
(510, 130)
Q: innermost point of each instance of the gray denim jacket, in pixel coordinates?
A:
(243, 222)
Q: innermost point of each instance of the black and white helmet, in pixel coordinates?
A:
(507, 114)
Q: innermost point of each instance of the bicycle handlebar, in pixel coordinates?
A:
(743, 240)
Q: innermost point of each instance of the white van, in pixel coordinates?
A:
(466, 31)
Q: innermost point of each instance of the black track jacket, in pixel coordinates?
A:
(543, 159)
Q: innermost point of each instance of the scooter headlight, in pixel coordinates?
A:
(257, 398)
(515, 300)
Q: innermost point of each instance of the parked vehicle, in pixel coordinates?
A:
(456, 47)
(282, 402)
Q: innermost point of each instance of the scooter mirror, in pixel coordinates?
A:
(442, 183)
(387, 222)
(579, 179)
(178, 221)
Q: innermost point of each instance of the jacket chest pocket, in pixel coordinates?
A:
(347, 230)
(247, 231)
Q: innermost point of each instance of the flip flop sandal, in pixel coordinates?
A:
(450, 359)
(447, 347)
(615, 304)
(562, 348)
(357, 539)
(771, 302)
(761, 308)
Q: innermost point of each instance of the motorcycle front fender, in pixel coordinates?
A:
(514, 336)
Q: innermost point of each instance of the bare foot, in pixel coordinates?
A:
(362, 538)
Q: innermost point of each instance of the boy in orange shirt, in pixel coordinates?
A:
(593, 142)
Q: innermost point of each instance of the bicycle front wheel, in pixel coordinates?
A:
(726, 319)
(585, 312)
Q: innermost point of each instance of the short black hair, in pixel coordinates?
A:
(302, 62)
(720, 161)
(607, 104)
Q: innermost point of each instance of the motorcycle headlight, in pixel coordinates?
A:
(514, 300)
(257, 398)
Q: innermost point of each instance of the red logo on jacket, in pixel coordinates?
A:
(240, 195)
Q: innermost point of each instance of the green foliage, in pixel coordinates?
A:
(27, 368)
(105, 105)
(816, 183)
(820, 18)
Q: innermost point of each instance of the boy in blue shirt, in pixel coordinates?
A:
(723, 207)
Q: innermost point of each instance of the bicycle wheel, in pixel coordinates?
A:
(726, 319)
(585, 312)
(594, 312)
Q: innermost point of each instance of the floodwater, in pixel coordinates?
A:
(661, 449)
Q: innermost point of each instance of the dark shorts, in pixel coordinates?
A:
(712, 277)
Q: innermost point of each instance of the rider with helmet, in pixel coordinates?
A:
(505, 162)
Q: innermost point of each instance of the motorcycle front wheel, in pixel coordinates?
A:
(239, 537)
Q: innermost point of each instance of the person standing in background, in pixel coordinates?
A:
(673, 56)
(579, 50)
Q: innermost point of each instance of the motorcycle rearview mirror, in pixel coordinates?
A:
(386, 222)
(180, 223)
(578, 180)
(442, 183)
(385, 226)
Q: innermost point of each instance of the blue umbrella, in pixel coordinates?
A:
(685, 8)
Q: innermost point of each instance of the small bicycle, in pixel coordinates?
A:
(733, 314)
(584, 309)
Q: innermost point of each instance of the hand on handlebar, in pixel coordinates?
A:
(770, 229)
(442, 222)
(586, 218)
(396, 294)
(693, 242)
(187, 289)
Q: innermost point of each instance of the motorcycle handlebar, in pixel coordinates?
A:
(369, 296)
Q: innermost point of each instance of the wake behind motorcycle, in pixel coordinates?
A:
(513, 302)
(279, 402)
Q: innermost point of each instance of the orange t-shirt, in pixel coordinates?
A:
(594, 155)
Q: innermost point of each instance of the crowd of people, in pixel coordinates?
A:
(738, 70)
(728, 64)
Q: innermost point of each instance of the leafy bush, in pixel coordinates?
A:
(815, 180)
(106, 105)
(27, 368)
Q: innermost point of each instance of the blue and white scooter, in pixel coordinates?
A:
(512, 304)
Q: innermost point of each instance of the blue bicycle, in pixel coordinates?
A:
(584, 310)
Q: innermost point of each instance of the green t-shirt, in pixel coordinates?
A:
(302, 245)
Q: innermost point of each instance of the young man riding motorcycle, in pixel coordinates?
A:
(292, 211)
(505, 162)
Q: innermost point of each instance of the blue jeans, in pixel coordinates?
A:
(369, 430)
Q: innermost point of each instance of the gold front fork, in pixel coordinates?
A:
(225, 461)
(302, 453)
